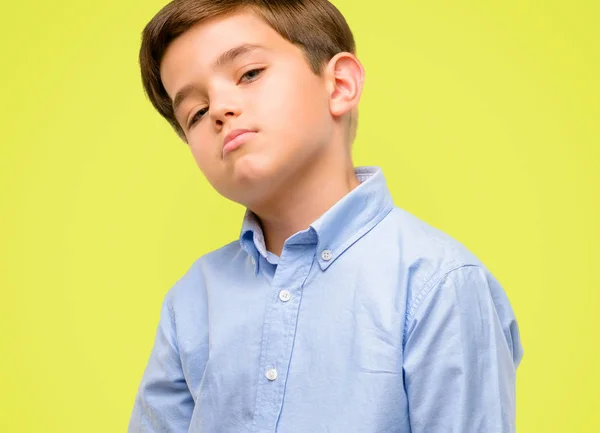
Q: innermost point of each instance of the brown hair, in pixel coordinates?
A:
(316, 26)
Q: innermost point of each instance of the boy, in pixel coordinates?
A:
(335, 310)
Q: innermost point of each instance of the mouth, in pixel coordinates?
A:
(235, 139)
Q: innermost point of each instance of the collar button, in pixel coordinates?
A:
(326, 255)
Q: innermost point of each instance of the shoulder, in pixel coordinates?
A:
(191, 286)
(442, 273)
(423, 245)
(427, 254)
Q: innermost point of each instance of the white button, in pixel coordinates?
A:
(253, 262)
(271, 374)
(285, 295)
(326, 255)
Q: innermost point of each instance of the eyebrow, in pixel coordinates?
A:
(226, 58)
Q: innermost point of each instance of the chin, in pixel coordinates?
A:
(250, 168)
(253, 178)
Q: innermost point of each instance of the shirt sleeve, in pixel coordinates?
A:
(163, 403)
(462, 349)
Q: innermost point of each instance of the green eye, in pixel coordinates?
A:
(252, 74)
(198, 116)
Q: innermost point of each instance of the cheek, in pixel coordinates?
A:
(297, 109)
(203, 154)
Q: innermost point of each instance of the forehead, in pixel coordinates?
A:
(200, 46)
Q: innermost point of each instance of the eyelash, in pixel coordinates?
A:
(203, 111)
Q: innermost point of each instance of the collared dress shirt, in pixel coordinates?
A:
(370, 321)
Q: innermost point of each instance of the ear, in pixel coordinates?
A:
(346, 77)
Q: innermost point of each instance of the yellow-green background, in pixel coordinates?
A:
(483, 115)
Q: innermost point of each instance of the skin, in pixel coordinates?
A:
(297, 163)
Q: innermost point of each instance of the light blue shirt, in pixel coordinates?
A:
(371, 321)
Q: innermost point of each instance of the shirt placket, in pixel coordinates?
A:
(279, 333)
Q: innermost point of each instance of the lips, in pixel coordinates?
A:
(235, 139)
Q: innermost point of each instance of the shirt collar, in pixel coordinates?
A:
(344, 223)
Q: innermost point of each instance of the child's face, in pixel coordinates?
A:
(270, 90)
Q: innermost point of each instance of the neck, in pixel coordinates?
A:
(304, 198)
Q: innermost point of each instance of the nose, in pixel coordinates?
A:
(224, 109)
